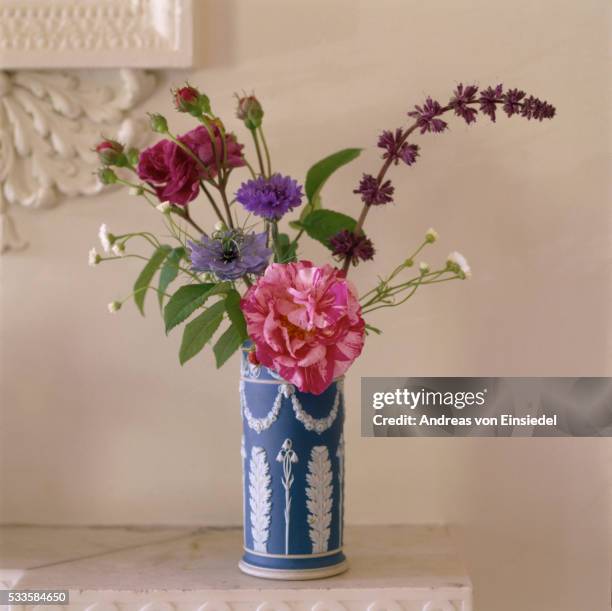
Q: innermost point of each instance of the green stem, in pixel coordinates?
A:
(266, 151)
(134, 185)
(212, 201)
(226, 204)
(274, 231)
(258, 150)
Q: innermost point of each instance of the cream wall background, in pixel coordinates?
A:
(99, 423)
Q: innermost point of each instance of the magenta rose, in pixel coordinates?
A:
(171, 171)
(305, 322)
(199, 141)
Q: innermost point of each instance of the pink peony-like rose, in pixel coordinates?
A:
(171, 171)
(305, 322)
(198, 140)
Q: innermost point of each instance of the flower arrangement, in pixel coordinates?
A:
(305, 322)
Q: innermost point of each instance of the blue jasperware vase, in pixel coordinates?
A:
(293, 477)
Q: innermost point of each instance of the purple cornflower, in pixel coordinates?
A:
(395, 149)
(427, 117)
(346, 245)
(512, 101)
(459, 103)
(374, 194)
(270, 197)
(489, 98)
(230, 254)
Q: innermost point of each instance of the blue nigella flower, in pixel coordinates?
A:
(230, 254)
(270, 197)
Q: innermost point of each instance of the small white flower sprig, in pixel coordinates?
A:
(114, 247)
(391, 292)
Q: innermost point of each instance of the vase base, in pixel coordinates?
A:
(293, 574)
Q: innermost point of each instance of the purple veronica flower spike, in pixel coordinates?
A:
(230, 254)
(374, 194)
(512, 101)
(459, 102)
(427, 117)
(271, 197)
(394, 150)
(346, 245)
(489, 98)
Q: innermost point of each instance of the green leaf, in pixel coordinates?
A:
(321, 225)
(322, 170)
(146, 275)
(199, 331)
(227, 344)
(286, 248)
(232, 307)
(188, 299)
(372, 329)
(169, 271)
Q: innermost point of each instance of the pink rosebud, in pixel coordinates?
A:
(110, 152)
(189, 99)
(250, 111)
(305, 322)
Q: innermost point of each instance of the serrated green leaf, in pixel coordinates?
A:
(322, 170)
(227, 344)
(199, 331)
(232, 307)
(188, 299)
(315, 204)
(146, 275)
(321, 225)
(169, 271)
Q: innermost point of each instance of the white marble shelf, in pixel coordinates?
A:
(392, 568)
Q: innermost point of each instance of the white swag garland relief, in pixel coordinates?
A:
(259, 498)
(319, 493)
(318, 425)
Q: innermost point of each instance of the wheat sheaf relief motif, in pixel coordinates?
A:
(259, 498)
(319, 493)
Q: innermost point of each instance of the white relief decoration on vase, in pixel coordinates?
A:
(319, 498)
(261, 424)
(260, 493)
(287, 457)
(318, 425)
(49, 125)
(243, 455)
(340, 456)
(248, 369)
